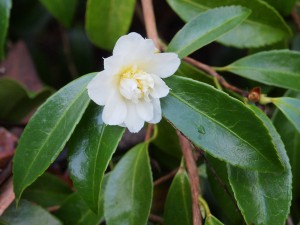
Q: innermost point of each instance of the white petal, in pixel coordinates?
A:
(156, 111)
(145, 110)
(133, 122)
(162, 64)
(115, 110)
(160, 88)
(100, 87)
(134, 48)
(114, 64)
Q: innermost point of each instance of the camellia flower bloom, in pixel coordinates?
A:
(130, 86)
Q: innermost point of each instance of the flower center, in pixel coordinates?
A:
(136, 84)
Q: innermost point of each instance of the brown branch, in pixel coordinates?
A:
(289, 221)
(7, 195)
(193, 175)
(213, 73)
(149, 131)
(165, 177)
(150, 23)
(156, 219)
(296, 18)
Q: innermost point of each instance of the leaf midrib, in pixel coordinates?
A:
(48, 137)
(220, 124)
(95, 163)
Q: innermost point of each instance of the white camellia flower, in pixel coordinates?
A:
(130, 85)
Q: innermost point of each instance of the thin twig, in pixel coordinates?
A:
(53, 208)
(7, 195)
(156, 219)
(150, 23)
(296, 18)
(193, 175)
(289, 221)
(67, 51)
(165, 177)
(213, 73)
(149, 132)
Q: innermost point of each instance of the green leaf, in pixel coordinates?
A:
(264, 198)
(128, 194)
(290, 107)
(21, 102)
(48, 131)
(222, 193)
(91, 148)
(178, 206)
(48, 190)
(196, 33)
(280, 68)
(220, 125)
(74, 211)
(285, 7)
(5, 6)
(291, 139)
(63, 11)
(28, 214)
(263, 27)
(106, 21)
(211, 220)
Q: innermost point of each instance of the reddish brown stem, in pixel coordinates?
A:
(213, 73)
(7, 195)
(156, 219)
(150, 23)
(149, 132)
(296, 19)
(165, 178)
(193, 175)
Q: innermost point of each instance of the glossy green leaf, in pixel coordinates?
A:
(290, 107)
(21, 102)
(196, 33)
(211, 220)
(220, 125)
(5, 6)
(291, 139)
(48, 131)
(222, 193)
(27, 213)
(264, 25)
(264, 198)
(106, 21)
(91, 148)
(74, 211)
(48, 190)
(285, 7)
(280, 68)
(178, 206)
(63, 11)
(128, 193)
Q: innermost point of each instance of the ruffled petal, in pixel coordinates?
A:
(162, 64)
(145, 110)
(114, 64)
(160, 88)
(101, 87)
(156, 111)
(115, 110)
(134, 48)
(133, 122)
